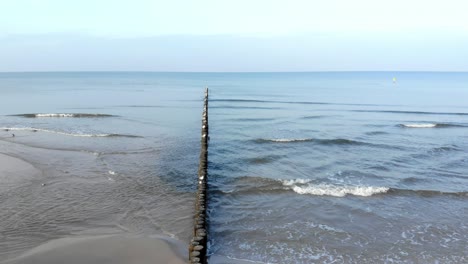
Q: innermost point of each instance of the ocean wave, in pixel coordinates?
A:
(429, 125)
(412, 180)
(243, 107)
(32, 129)
(295, 181)
(253, 119)
(418, 125)
(445, 149)
(409, 112)
(284, 102)
(256, 185)
(427, 193)
(376, 133)
(315, 117)
(336, 141)
(69, 115)
(120, 135)
(263, 159)
(304, 187)
(241, 101)
(340, 141)
(283, 140)
(141, 106)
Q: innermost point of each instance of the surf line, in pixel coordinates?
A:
(198, 244)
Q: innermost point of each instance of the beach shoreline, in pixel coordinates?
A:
(125, 248)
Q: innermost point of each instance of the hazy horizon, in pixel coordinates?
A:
(234, 72)
(224, 36)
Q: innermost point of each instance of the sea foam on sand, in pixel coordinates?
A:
(106, 249)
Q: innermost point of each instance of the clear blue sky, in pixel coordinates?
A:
(236, 35)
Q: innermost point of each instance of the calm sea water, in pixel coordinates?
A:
(304, 167)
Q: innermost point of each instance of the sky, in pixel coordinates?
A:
(234, 35)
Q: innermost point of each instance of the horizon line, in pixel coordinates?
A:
(319, 71)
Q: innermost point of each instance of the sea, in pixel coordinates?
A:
(306, 167)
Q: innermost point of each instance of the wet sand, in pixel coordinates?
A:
(14, 170)
(109, 249)
(99, 249)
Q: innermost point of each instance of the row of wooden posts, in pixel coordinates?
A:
(198, 244)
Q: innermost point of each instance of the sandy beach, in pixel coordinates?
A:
(111, 249)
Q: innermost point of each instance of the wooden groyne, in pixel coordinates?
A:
(198, 244)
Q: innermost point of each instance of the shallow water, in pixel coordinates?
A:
(341, 168)
(121, 160)
(304, 167)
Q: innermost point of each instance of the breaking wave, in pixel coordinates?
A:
(429, 125)
(336, 141)
(302, 186)
(283, 140)
(257, 185)
(418, 125)
(68, 115)
(31, 129)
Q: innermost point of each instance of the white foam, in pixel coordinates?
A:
(420, 125)
(302, 186)
(54, 115)
(340, 191)
(290, 139)
(65, 115)
(295, 181)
